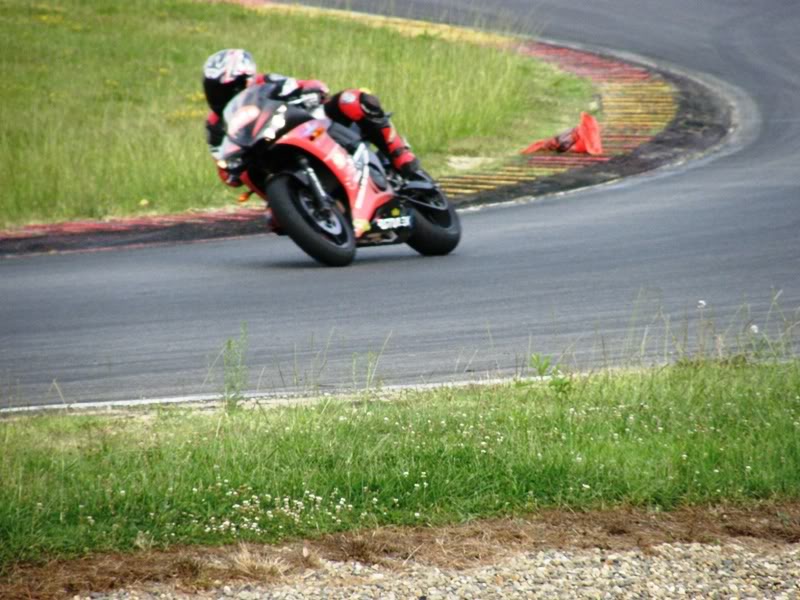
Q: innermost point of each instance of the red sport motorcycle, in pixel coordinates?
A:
(328, 190)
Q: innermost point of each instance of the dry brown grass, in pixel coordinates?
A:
(457, 546)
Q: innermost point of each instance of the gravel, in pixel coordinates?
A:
(730, 570)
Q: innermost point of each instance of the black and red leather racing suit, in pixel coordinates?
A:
(346, 107)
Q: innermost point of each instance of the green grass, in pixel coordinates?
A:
(698, 432)
(103, 107)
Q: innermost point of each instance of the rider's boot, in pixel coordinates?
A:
(412, 171)
(395, 147)
(403, 159)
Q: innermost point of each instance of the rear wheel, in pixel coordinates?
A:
(325, 234)
(437, 228)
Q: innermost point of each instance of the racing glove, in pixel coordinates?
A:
(314, 92)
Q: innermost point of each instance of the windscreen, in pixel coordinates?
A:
(247, 117)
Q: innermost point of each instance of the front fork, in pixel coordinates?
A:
(322, 198)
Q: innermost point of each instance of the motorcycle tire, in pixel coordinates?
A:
(436, 232)
(327, 238)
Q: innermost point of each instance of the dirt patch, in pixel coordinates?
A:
(459, 546)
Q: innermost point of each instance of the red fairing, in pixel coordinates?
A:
(350, 105)
(326, 150)
(363, 202)
(226, 178)
(258, 79)
(245, 177)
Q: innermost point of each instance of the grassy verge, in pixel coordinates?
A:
(698, 432)
(103, 107)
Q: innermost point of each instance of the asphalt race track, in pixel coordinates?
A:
(593, 276)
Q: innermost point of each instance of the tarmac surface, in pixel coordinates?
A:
(604, 275)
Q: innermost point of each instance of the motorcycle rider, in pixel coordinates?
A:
(229, 71)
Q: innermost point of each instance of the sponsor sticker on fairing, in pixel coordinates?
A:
(394, 222)
(344, 162)
(339, 160)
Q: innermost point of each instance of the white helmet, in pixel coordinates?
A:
(225, 74)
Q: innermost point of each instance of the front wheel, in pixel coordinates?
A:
(437, 230)
(324, 233)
